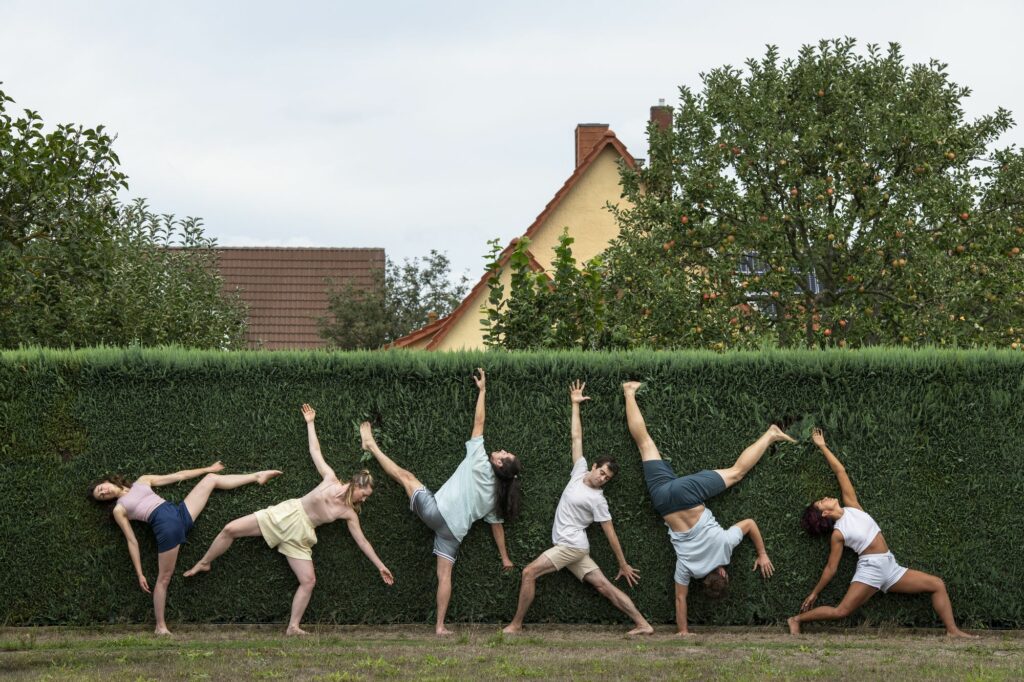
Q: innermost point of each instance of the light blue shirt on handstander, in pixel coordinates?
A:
(469, 494)
(703, 548)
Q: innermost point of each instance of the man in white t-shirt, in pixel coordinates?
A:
(582, 503)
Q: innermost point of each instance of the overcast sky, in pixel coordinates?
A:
(414, 125)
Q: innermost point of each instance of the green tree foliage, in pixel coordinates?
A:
(835, 198)
(400, 299)
(77, 267)
(565, 309)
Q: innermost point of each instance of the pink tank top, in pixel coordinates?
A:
(140, 502)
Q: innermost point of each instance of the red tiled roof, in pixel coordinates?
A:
(443, 326)
(286, 288)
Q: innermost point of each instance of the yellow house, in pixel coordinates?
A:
(580, 206)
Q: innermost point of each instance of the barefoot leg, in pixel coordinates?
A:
(528, 589)
(752, 455)
(166, 562)
(619, 600)
(304, 571)
(637, 425)
(856, 595)
(197, 498)
(408, 481)
(247, 526)
(915, 582)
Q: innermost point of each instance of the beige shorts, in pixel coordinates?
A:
(287, 527)
(575, 559)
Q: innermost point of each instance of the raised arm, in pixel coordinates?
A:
(576, 429)
(478, 417)
(626, 571)
(357, 534)
(498, 531)
(831, 565)
(845, 486)
(309, 414)
(750, 529)
(121, 517)
(155, 480)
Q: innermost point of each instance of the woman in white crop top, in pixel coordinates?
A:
(876, 570)
(170, 522)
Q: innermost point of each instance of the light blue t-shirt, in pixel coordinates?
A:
(703, 548)
(470, 492)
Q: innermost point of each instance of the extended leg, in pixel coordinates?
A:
(247, 526)
(752, 455)
(636, 424)
(196, 500)
(166, 562)
(444, 594)
(304, 571)
(855, 597)
(538, 567)
(620, 600)
(915, 582)
(409, 482)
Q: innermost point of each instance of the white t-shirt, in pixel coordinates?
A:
(703, 548)
(579, 507)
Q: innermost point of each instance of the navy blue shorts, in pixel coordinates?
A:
(670, 493)
(171, 523)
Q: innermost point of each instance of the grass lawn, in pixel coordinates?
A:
(481, 653)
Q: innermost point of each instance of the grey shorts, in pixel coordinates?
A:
(424, 506)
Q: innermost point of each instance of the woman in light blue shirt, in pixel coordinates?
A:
(482, 487)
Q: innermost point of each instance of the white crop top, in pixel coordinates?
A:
(858, 529)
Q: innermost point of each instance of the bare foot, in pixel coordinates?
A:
(778, 434)
(961, 634)
(641, 630)
(201, 567)
(263, 476)
(442, 631)
(162, 631)
(684, 634)
(295, 631)
(631, 387)
(794, 625)
(512, 629)
(366, 434)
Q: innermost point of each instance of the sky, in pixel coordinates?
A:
(420, 125)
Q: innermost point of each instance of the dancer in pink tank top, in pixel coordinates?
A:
(170, 522)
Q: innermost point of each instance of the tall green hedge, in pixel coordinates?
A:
(932, 441)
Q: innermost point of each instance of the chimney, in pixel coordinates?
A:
(588, 135)
(661, 115)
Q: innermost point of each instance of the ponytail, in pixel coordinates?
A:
(508, 487)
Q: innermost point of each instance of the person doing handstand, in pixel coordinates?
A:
(703, 548)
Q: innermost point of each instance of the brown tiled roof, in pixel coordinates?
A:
(286, 288)
(441, 328)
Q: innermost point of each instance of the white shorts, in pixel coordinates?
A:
(878, 570)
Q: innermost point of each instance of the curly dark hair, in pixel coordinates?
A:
(508, 487)
(715, 585)
(815, 523)
(613, 466)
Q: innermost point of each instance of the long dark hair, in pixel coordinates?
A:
(116, 479)
(508, 487)
(815, 523)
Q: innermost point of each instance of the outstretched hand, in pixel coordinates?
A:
(386, 576)
(144, 585)
(215, 467)
(507, 565)
(809, 602)
(576, 392)
(631, 575)
(765, 564)
(818, 438)
(308, 413)
(481, 381)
